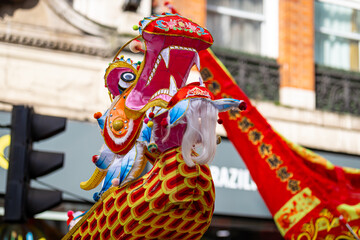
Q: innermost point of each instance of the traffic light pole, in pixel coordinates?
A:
(16, 176)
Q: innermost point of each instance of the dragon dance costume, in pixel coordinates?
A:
(155, 117)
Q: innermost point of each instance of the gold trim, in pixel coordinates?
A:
(118, 64)
(325, 222)
(350, 212)
(122, 48)
(135, 114)
(295, 209)
(179, 35)
(350, 170)
(307, 154)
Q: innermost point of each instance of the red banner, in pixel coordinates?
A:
(308, 197)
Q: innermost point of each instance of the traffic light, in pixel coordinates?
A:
(22, 201)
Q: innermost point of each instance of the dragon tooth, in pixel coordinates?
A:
(197, 60)
(201, 82)
(172, 88)
(149, 80)
(165, 53)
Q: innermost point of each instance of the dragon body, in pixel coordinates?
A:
(155, 117)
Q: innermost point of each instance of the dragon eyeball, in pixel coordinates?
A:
(128, 76)
(126, 79)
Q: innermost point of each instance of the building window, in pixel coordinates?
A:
(244, 25)
(337, 34)
(236, 24)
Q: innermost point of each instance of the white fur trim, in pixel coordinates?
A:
(201, 119)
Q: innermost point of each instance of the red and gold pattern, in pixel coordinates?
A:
(172, 201)
(306, 195)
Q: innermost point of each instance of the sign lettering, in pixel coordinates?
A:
(232, 178)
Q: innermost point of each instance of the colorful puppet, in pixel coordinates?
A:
(160, 119)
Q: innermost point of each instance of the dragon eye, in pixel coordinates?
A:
(128, 76)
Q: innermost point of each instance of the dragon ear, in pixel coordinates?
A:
(136, 46)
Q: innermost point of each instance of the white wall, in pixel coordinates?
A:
(55, 82)
(110, 13)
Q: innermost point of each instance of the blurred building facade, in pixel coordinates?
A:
(297, 60)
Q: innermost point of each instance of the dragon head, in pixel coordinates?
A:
(172, 43)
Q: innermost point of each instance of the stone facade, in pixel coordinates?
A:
(53, 57)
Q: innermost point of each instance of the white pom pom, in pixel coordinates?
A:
(136, 46)
(115, 182)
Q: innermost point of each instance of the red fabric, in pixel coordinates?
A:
(192, 90)
(176, 25)
(299, 192)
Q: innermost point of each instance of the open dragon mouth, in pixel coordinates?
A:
(167, 93)
(172, 46)
(165, 56)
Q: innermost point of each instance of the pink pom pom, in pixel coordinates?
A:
(146, 120)
(115, 182)
(136, 46)
(70, 213)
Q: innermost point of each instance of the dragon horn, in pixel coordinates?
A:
(226, 104)
(122, 48)
(94, 180)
